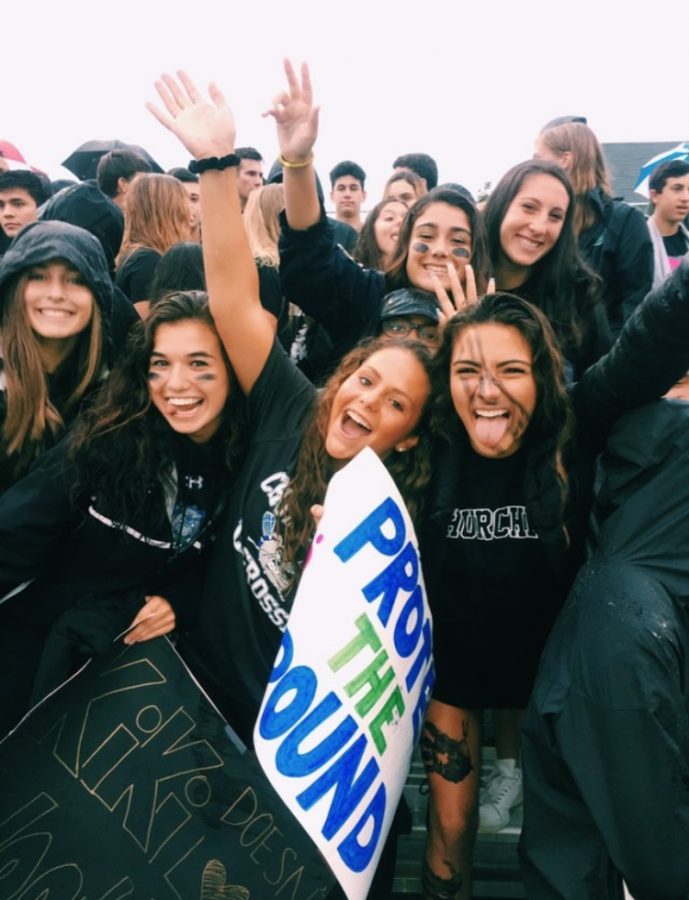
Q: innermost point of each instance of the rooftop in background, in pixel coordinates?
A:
(625, 162)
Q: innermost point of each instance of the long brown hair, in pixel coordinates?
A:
(32, 421)
(552, 423)
(120, 444)
(157, 215)
(588, 169)
(411, 470)
(261, 218)
(396, 270)
(562, 285)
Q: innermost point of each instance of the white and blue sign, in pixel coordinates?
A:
(347, 697)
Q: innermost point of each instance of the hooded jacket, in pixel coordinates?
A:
(88, 207)
(38, 243)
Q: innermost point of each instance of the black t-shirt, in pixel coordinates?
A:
(245, 600)
(676, 246)
(493, 602)
(270, 289)
(135, 275)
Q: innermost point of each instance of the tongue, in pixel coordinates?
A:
(491, 431)
(352, 428)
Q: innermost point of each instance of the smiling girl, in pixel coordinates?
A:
(56, 297)
(111, 523)
(529, 223)
(298, 439)
(439, 237)
(377, 240)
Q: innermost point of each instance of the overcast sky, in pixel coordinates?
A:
(469, 83)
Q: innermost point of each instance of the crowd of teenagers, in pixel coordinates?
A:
(187, 359)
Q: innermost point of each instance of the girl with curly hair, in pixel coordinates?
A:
(298, 439)
(505, 528)
(112, 522)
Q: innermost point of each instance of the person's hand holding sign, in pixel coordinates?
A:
(155, 618)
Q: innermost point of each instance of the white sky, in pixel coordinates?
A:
(469, 83)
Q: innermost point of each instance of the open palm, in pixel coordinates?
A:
(205, 128)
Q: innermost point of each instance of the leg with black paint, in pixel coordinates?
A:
(450, 747)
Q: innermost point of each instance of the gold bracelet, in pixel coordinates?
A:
(286, 164)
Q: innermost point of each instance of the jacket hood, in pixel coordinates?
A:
(87, 206)
(39, 242)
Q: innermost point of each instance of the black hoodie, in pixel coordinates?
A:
(38, 243)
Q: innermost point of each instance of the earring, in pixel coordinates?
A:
(401, 449)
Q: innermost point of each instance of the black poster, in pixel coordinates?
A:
(128, 783)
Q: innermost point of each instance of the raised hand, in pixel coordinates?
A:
(295, 116)
(205, 128)
(458, 298)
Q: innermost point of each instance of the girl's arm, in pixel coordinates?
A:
(296, 119)
(207, 130)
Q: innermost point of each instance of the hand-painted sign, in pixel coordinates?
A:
(353, 677)
(126, 782)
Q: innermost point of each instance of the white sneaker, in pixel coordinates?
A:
(503, 793)
(488, 776)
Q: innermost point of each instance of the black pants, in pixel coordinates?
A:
(606, 745)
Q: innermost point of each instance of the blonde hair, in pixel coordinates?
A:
(157, 215)
(32, 421)
(588, 169)
(262, 223)
(415, 181)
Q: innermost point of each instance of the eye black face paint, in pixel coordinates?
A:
(419, 247)
(461, 253)
(443, 755)
(206, 376)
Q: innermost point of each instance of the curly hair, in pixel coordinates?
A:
(552, 424)
(396, 271)
(120, 444)
(411, 470)
(560, 283)
(33, 422)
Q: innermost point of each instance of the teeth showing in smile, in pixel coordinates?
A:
(183, 402)
(55, 313)
(358, 420)
(490, 413)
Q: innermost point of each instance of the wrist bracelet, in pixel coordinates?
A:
(213, 163)
(286, 164)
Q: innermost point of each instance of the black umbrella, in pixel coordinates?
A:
(84, 160)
